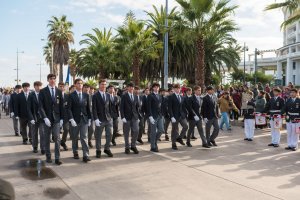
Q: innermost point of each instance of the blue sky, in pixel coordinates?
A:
(24, 23)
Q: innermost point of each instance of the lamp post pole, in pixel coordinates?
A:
(18, 65)
(166, 46)
(245, 49)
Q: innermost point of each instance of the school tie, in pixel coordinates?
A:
(103, 97)
(179, 99)
(26, 96)
(52, 95)
(80, 97)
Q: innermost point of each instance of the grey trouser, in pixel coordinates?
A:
(80, 130)
(193, 130)
(115, 127)
(66, 128)
(132, 125)
(192, 124)
(91, 131)
(98, 134)
(15, 124)
(156, 130)
(55, 131)
(142, 127)
(175, 130)
(166, 124)
(36, 130)
(212, 122)
(23, 129)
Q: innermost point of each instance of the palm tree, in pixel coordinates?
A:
(292, 6)
(73, 61)
(202, 15)
(48, 57)
(61, 36)
(96, 60)
(136, 43)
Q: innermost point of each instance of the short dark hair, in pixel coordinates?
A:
(102, 81)
(61, 83)
(25, 85)
(277, 90)
(155, 84)
(110, 86)
(37, 83)
(77, 80)
(176, 86)
(18, 87)
(209, 88)
(130, 84)
(86, 85)
(72, 86)
(262, 92)
(188, 89)
(197, 87)
(294, 90)
(136, 88)
(51, 76)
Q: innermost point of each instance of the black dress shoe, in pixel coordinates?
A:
(159, 139)
(294, 149)
(35, 149)
(118, 135)
(193, 138)
(209, 144)
(127, 151)
(30, 141)
(246, 139)
(180, 141)
(43, 152)
(184, 137)
(17, 134)
(48, 160)
(189, 144)
(76, 156)
(25, 141)
(205, 146)
(214, 143)
(249, 139)
(90, 144)
(86, 159)
(58, 162)
(98, 154)
(270, 145)
(154, 150)
(174, 147)
(276, 145)
(140, 141)
(167, 138)
(108, 153)
(64, 146)
(134, 149)
(113, 142)
(288, 148)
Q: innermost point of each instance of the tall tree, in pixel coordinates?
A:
(61, 36)
(202, 15)
(48, 57)
(292, 6)
(73, 61)
(136, 42)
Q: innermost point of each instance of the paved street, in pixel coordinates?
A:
(234, 170)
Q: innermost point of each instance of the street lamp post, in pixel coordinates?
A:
(166, 67)
(245, 49)
(18, 65)
(256, 52)
(40, 64)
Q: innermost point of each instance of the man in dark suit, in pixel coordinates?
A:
(130, 115)
(12, 101)
(115, 101)
(90, 91)
(154, 107)
(102, 116)
(51, 108)
(178, 113)
(80, 118)
(210, 114)
(21, 112)
(66, 125)
(165, 113)
(194, 107)
(36, 122)
(143, 110)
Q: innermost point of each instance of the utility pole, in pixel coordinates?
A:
(166, 50)
(18, 65)
(245, 49)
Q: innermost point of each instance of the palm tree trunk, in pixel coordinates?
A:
(207, 75)
(199, 64)
(136, 70)
(101, 73)
(61, 72)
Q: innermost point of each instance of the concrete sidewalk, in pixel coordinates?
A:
(236, 169)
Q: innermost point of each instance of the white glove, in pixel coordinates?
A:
(47, 122)
(90, 122)
(17, 117)
(196, 118)
(124, 120)
(12, 114)
(73, 123)
(97, 122)
(173, 120)
(61, 122)
(205, 120)
(152, 121)
(32, 122)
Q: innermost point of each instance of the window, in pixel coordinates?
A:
(294, 79)
(294, 65)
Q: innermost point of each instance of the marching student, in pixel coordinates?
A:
(165, 114)
(130, 115)
(12, 102)
(21, 112)
(178, 113)
(36, 122)
(66, 125)
(115, 101)
(249, 119)
(51, 109)
(144, 120)
(79, 116)
(154, 107)
(102, 109)
(292, 109)
(275, 107)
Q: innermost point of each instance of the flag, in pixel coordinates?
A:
(68, 76)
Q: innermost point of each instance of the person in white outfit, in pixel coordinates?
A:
(249, 121)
